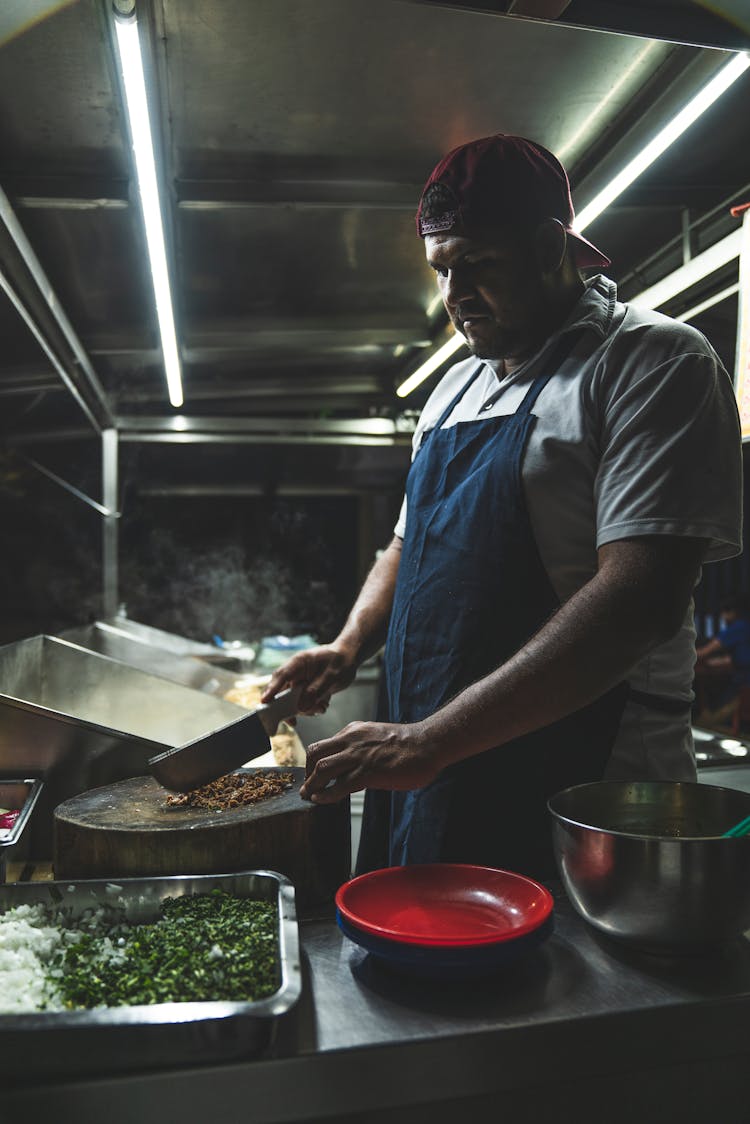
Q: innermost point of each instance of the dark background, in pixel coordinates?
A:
(241, 567)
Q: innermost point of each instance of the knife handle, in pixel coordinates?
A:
(283, 706)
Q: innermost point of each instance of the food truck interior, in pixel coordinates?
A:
(208, 396)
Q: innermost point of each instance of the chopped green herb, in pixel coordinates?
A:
(207, 947)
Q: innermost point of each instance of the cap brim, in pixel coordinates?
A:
(587, 255)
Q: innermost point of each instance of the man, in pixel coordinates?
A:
(730, 648)
(724, 663)
(567, 484)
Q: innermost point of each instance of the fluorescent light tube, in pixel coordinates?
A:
(436, 360)
(664, 138)
(693, 271)
(434, 305)
(136, 105)
(717, 298)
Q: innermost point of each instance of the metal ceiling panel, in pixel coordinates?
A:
(95, 259)
(283, 89)
(721, 23)
(20, 351)
(295, 140)
(288, 262)
(56, 92)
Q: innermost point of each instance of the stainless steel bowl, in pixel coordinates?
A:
(644, 862)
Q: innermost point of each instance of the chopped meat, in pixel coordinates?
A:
(233, 791)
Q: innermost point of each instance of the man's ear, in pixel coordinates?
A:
(551, 243)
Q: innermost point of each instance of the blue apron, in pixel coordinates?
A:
(471, 590)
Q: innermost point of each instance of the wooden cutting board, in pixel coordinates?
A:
(126, 830)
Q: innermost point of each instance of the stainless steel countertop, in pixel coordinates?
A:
(578, 1017)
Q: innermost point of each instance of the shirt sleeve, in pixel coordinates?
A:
(400, 529)
(671, 453)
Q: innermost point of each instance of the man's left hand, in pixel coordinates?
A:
(369, 755)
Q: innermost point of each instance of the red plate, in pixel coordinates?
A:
(448, 904)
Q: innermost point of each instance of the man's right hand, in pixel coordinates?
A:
(321, 672)
(329, 668)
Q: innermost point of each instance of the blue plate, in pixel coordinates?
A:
(430, 961)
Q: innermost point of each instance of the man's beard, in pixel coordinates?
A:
(495, 345)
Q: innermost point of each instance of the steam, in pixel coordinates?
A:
(238, 571)
(217, 591)
(229, 591)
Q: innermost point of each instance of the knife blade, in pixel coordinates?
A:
(185, 767)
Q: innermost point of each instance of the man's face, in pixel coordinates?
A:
(493, 290)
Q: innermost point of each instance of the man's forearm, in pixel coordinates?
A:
(367, 624)
(588, 646)
(636, 600)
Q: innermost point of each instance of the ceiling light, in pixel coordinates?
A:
(136, 105)
(436, 360)
(601, 106)
(702, 265)
(664, 138)
(434, 305)
(643, 160)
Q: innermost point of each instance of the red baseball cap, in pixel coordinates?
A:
(501, 179)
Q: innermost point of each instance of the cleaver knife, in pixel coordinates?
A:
(212, 756)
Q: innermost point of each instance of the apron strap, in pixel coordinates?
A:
(559, 354)
(453, 403)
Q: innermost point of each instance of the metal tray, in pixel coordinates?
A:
(137, 651)
(166, 641)
(21, 795)
(229, 659)
(82, 720)
(54, 1044)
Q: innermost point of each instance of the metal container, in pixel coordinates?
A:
(158, 638)
(135, 650)
(645, 862)
(82, 720)
(182, 646)
(16, 795)
(68, 1044)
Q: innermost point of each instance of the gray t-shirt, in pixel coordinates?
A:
(637, 433)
